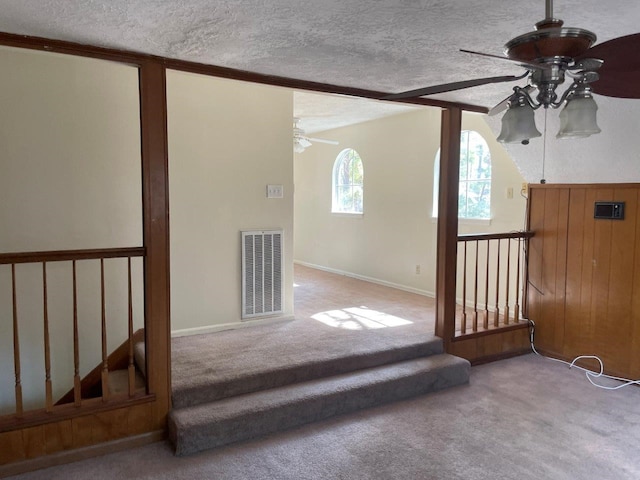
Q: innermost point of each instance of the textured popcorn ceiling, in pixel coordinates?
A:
(389, 45)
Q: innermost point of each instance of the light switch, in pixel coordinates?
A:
(509, 192)
(274, 191)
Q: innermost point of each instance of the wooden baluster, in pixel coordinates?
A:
(475, 294)
(16, 345)
(105, 361)
(77, 386)
(132, 368)
(463, 323)
(485, 319)
(508, 275)
(496, 314)
(516, 311)
(47, 344)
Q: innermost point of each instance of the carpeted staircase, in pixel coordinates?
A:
(211, 408)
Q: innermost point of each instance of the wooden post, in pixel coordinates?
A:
(77, 385)
(446, 262)
(16, 345)
(155, 193)
(48, 388)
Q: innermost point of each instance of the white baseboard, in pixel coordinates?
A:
(384, 283)
(230, 326)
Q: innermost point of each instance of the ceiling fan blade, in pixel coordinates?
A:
(504, 104)
(322, 140)
(529, 65)
(500, 107)
(620, 73)
(587, 64)
(303, 142)
(448, 87)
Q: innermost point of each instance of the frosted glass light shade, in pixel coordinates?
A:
(578, 118)
(518, 125)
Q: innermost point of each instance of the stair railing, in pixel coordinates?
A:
(53, 411)
(491, 268)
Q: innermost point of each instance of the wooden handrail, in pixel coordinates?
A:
(472, 237)
(71, 256)
(66, 255)
(506, 310)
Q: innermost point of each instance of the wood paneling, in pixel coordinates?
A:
(634, 365)
(58, 436)
(79, 432)
(11, 447)
(34, 442)
(583, 273)
(488, 348)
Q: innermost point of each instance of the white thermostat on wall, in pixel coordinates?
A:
(274, 191)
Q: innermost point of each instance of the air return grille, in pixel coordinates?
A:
(261, 273)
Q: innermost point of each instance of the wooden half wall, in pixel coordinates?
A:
(584, 274)
(106, 427)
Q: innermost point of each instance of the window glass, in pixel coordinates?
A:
(347, 185)
(474, 194)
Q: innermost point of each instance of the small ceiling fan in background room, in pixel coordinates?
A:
(301, 141)
(549, 54)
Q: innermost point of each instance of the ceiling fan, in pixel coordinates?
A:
(301, 141)
(549, 54)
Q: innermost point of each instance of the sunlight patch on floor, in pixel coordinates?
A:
(359, 318)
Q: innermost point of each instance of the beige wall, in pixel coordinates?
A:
(227, 141)
(69, 179)
(396, 232)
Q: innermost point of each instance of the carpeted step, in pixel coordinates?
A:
(230, 420)
(139, 355)
(209, 385)
(119, 381)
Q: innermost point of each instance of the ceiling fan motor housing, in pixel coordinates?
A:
(550, 43)
(547, 81)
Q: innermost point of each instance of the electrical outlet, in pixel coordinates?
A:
(523, 189)
(417, 269)
(274, 191)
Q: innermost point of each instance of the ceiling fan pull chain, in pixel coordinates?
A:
(544, 146)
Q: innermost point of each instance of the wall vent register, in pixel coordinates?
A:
(262, 277)
(609, 210)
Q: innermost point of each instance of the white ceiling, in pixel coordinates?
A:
(392, 45)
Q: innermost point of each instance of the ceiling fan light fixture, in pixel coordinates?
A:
(578, 118)
(518, 124)
(297, 148)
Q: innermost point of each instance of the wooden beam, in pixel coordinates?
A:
(155, 192)
(135, 58)
(446, 262)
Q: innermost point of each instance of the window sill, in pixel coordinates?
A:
(347, 214)
(468, 221)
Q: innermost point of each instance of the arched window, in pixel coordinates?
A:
(348, 175)
(474, 188)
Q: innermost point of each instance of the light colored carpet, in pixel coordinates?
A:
(367, 345)
(522, 418)
(234, 361)
(244, 417)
